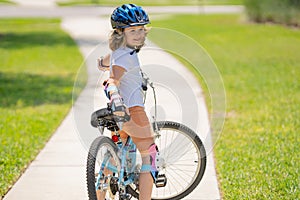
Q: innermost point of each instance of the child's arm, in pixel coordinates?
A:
(104, 62)
(113, 82)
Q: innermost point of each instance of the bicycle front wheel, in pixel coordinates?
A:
(184, 160)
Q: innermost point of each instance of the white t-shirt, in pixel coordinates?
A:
(130, 83)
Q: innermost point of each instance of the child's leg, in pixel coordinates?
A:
(139, 129)
(148, 152)
(145, 185)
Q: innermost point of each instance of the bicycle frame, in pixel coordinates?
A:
(127, 154)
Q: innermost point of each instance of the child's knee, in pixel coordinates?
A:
(143, 144)
(149, 159)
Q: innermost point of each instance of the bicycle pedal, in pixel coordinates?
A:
(161, 181)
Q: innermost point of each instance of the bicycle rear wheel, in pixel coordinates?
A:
(184, 161)
(102, 153)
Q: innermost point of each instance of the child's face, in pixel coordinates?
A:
(135, 35)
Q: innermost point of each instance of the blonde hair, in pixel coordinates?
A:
(117, 38)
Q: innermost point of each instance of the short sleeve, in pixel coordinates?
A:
(123, 58)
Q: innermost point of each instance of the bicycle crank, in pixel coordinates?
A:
(113, 185)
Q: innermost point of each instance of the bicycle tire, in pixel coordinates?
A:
(181, 133)
(93, 155)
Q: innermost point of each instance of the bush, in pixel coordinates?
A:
(277, 11)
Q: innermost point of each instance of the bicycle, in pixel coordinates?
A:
(112, 168)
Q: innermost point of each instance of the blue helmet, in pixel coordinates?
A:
(128, 15)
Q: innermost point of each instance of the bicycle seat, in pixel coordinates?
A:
(103, 113)
(105, 117)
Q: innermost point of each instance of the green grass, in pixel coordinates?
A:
(151, 2)
(6, 2)
(38, 64)
(257, 152)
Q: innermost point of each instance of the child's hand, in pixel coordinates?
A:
(101, 66)
(117, 106)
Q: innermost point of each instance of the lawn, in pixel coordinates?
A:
(38, 64)
(151, 2)
(256, 154)
(5, 2)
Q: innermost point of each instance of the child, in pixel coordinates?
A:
(124, 86)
